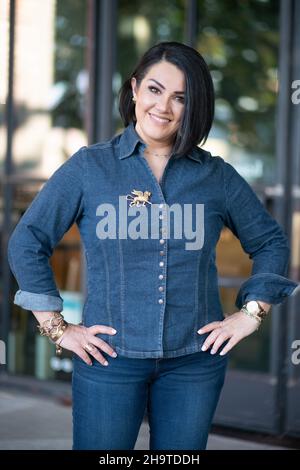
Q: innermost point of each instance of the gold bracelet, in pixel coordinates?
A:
(51, 323)
(58, 333)
(54, 328)
(58, 348)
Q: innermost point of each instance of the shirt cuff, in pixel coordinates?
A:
(267, 287)
(38, 302)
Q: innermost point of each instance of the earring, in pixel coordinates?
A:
(134, 99)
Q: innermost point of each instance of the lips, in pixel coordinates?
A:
(159, 119)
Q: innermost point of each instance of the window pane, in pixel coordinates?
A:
(50, 84)
(140, 25)
(4, 34)
(240, 42)
(30, 353)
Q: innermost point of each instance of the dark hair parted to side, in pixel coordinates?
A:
(199, 92)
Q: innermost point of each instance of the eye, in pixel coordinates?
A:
(153, 88)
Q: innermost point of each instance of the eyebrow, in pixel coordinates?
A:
(159, 84)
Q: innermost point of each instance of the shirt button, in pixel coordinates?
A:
(161, 216)
(161, 241)
(161, 206)
(160, 301)
(161, 263)
(161, 253)
(160, 288)
(160, 276)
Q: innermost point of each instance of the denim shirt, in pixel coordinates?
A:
(156, 285)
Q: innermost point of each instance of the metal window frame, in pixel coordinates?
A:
(6, 182)
(289, 158)
(102, 31)
(102, 65)
(275, 415)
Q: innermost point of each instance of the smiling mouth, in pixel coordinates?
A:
(158, 119)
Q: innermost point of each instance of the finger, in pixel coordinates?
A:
(209, 327)
(210, 339)
(232, 342)
(99, 357)
(93, 351)
(219, 341)
(96, 329)
(100, 344)
(84, 356)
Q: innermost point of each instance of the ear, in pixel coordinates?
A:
(134, 86)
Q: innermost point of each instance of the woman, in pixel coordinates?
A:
(153, 306)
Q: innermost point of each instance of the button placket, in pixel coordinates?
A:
(162, 252)
(162, 244)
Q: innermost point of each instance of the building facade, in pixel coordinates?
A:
(62, 66)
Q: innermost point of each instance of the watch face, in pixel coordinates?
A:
(252, 306)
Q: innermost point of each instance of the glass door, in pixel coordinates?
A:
(240, 42)
(49, 103)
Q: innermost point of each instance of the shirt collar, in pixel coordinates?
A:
(130, 138)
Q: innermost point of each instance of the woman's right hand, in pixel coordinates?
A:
(82, 341)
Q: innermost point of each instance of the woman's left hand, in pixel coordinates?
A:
(234, 327)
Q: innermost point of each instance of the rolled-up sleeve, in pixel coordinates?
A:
(58, 205)
(262, 238)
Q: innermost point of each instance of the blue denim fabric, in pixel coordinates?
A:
(154, 291)
(179, 394)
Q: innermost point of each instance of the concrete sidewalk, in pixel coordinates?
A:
(33, 422)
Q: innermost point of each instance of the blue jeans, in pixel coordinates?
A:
(180, 395)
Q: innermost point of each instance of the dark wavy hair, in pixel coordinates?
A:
(199, 102)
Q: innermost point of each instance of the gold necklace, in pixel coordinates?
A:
(157, 154)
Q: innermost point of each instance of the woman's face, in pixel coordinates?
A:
(159, 103)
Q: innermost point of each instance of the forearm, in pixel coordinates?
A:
(43, 316)
(51, 324)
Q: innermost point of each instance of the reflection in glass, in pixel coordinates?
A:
(50, 87)
(240, 42)
(29, 353)
(50, 84)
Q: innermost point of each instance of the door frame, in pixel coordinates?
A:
(268, 402)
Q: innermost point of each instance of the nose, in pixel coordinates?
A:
(162, 104)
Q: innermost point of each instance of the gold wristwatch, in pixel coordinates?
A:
(254, 309)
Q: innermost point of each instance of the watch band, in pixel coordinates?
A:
(262, 312)
(259, 315)
(252, 315)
